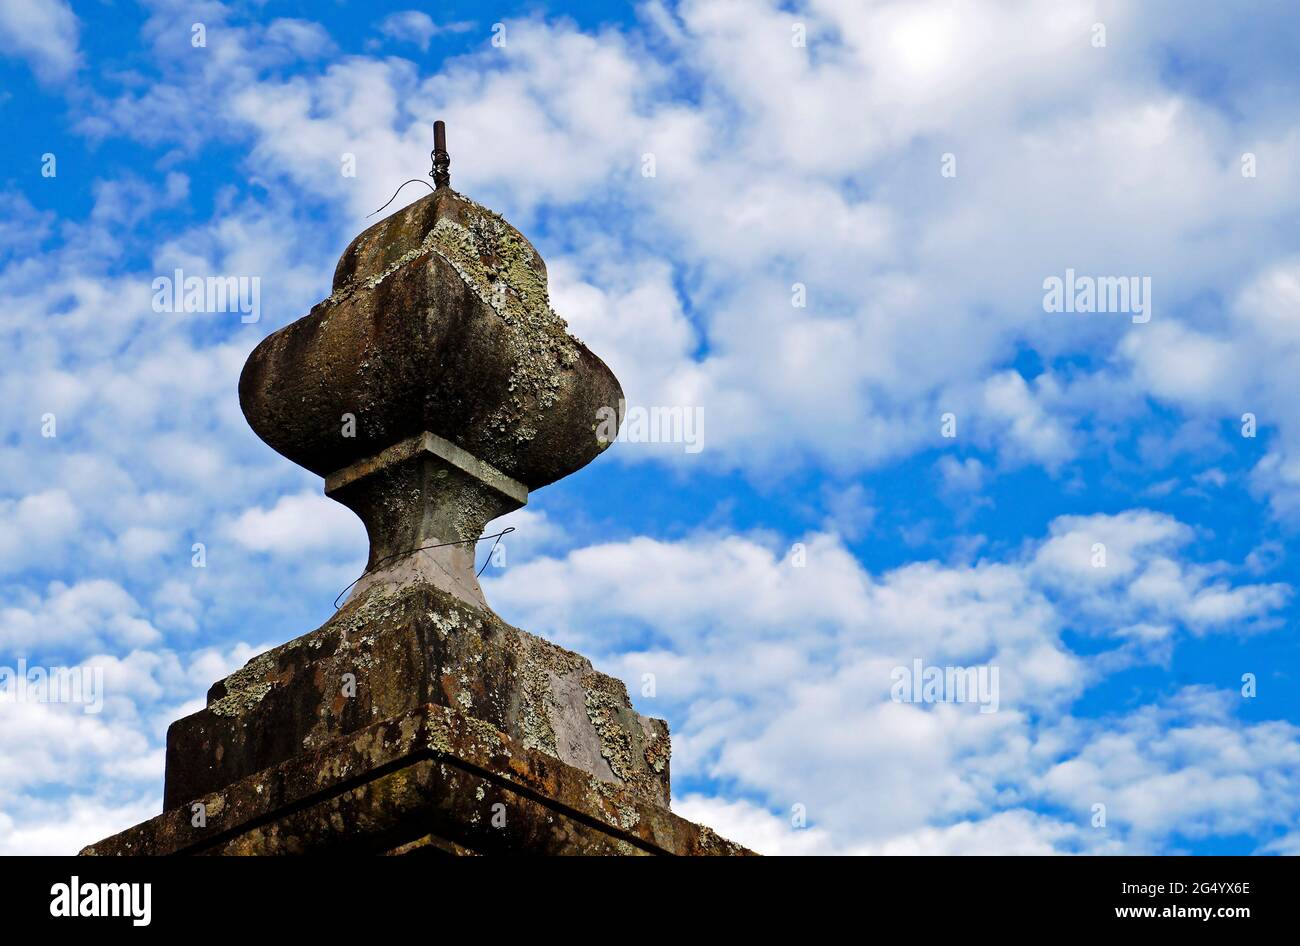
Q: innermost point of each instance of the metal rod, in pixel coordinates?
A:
(440, 173)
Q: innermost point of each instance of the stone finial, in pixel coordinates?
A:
(433, 389)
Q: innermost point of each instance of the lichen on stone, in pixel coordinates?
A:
(603, 709)
(502, 269)
(240, 701)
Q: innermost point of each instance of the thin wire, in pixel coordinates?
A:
(441, 545)
(414, 180)
(480, 572)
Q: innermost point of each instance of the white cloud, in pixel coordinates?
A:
(1288, 845)
(68, 778)
(753, 826)
(44, 34)
(1025, 429)
(1125, 568)
(1244, 363)
(416, 27)
(1086, 157)
(961, 476)
(65, 827)
(1007, 833)
(298, 525)
(302, 37)
(778, 681)
(38, 524)
(1187, 768)
(89, 614)
(885, 340)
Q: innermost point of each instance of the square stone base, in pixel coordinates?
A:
(433, 780)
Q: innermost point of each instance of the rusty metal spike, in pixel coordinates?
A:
(440, 173)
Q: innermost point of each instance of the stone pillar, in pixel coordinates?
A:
(433, 390)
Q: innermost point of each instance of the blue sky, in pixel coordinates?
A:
(775, 164)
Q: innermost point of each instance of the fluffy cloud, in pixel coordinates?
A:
(299, 524)
(1186, 769)
(69, 777)
(778, 681)
(1095, 161)
(1126, 569)
(89, 614)
(417, 27)
(1015, 832)
(62, 827)
(1097, 164)
(37, 524)
(44, 34)
(1242, 363)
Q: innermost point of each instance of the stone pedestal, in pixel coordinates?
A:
(413, 722)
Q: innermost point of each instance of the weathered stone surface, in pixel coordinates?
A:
(414, 496)
(405, 646)
(434, 780)
(439, 329)
(440, 321)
